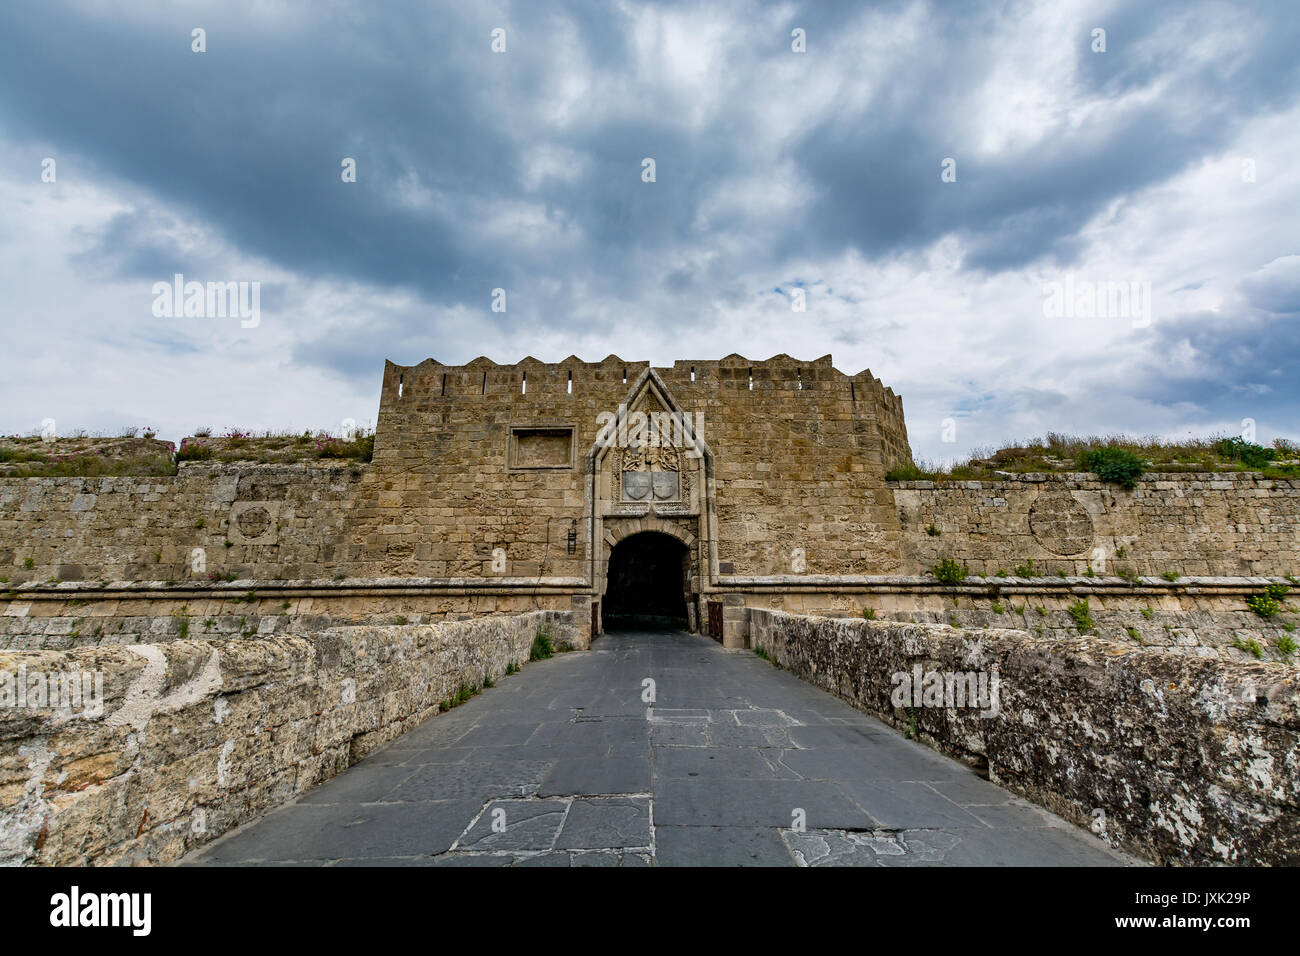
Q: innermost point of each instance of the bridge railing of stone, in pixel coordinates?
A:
(1182, 760)
(122, 754)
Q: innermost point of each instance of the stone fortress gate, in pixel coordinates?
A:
(672, 495)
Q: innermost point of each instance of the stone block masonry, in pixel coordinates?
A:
(1222, 524)
(1181, 760)
(197, 737)
(248, 520)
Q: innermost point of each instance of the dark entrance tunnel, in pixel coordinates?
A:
(647, 583)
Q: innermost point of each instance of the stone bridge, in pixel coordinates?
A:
(722, 760)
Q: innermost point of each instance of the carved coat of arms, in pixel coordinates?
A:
(636, 484)
(664, 484)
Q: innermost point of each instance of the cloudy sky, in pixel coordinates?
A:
(1169, 160)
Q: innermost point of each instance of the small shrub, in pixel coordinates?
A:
(932, 531)
(1042, 611)
(868, 614)
(1026, 570)
(908, 472)
(1251, 647)
(763, 654)
(1277, 592)
(1247, 453)
(1146, 613)
(1081, 614)
(193, 451)
(512, 668)
(1263, 605)
(1002, 572)
(1171, 576)
(1286, 644)
(998, 609)
(1117, 466)
(1128, 574)
(1134, 634)
(542, 647)
(950, 571)
(29, 563)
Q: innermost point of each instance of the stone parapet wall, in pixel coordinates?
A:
(68, 615)
(1193, 616)
(1231, 635)
(1230, 523)
(1181, 760)
(199, 736)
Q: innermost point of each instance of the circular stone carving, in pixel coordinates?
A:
(254, 522)
(1060, 524)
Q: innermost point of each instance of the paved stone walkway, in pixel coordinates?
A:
(575, 769)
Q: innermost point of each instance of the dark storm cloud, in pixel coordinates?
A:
(247, 139)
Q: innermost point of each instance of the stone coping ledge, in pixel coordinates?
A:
(244, 464)
(1088, 478)
(993, 585)
(348, 587)
(191, 469)
(343, 587)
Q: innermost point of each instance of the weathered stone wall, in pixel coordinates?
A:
(799, 463)
(1183, 760)
(1207, 524)
(252, 521)
(197, 737)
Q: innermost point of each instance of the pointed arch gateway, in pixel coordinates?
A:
(650, 511)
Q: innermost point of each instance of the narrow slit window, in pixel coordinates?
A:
(444, 383)
(399, 386)
(692, 373)
(570, 383)
(624, 374)
(485, 383)
(799, 375)
(523, 390)
(751, 379)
